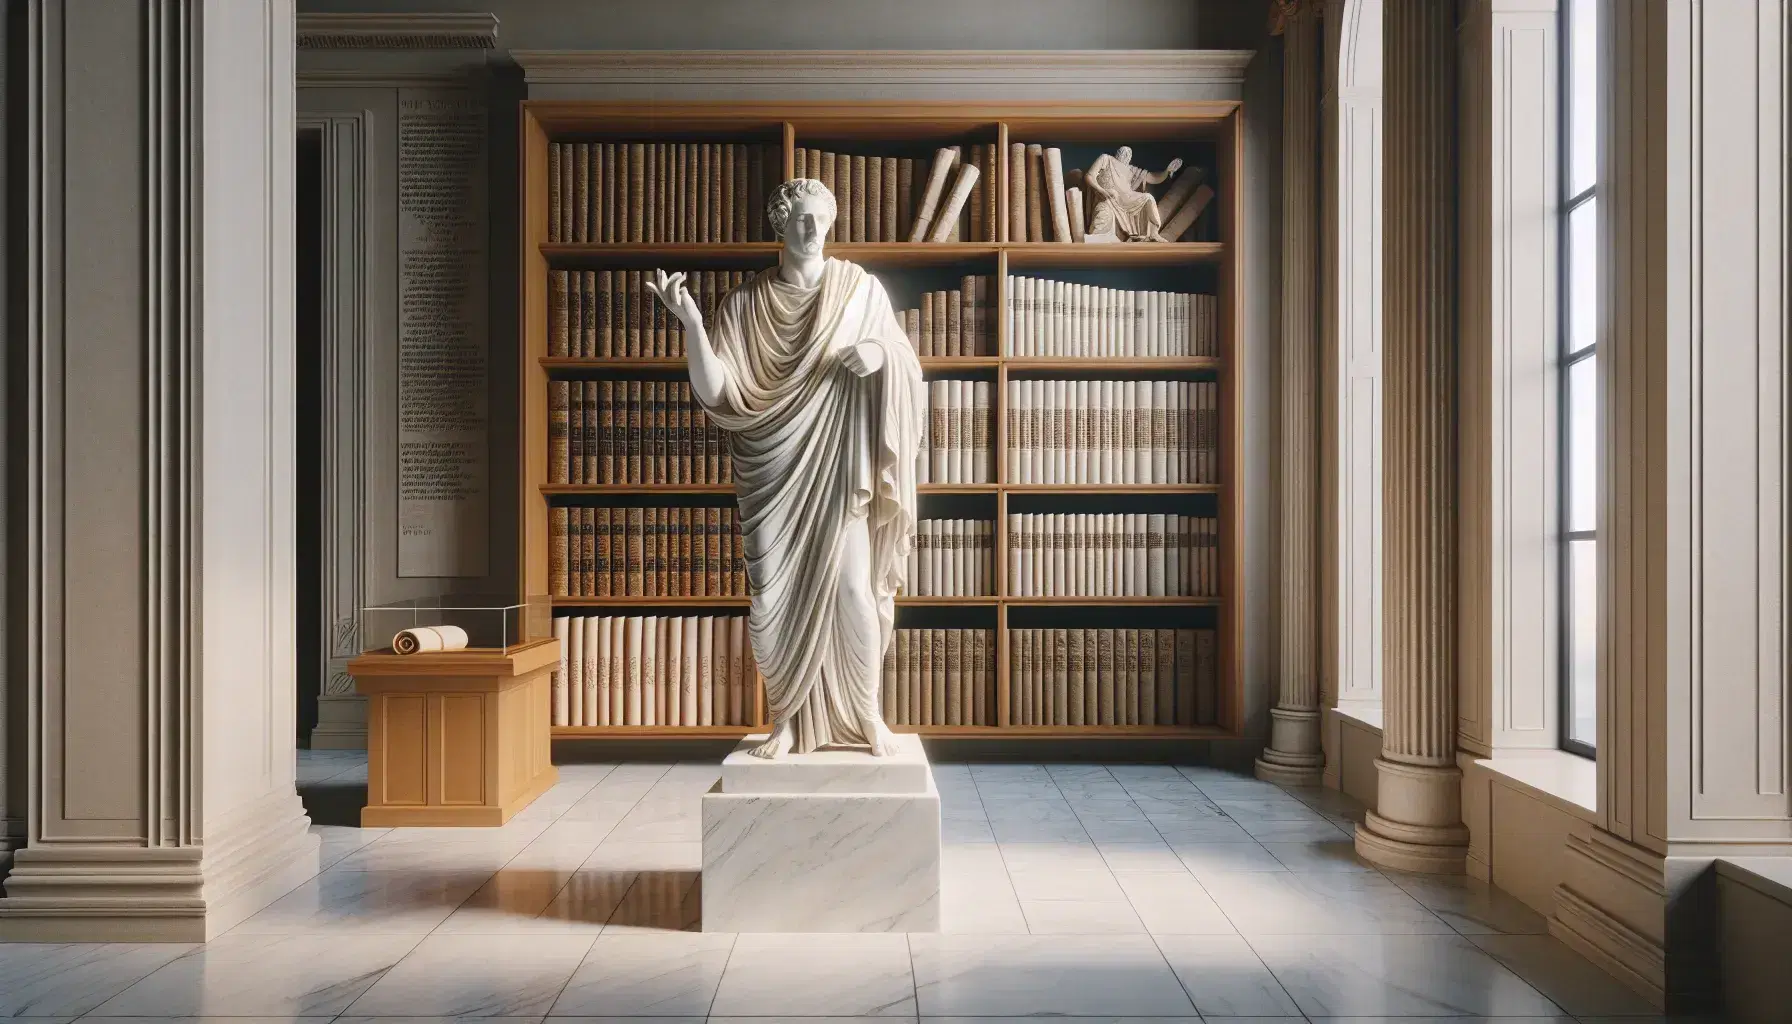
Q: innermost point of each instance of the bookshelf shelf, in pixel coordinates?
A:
(1210, 132)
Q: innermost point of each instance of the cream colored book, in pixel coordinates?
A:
(687, 672)
(653, 690)
(561, 679)
(1186, 695)
(954, 676)
(671, 670)
(1073, 207)
(635, 687)
(575, 661)
(742, 676)
(948, 216)
(938, 171)
(1069, 679)
(596, 661)
(1145, 671)
(1016, 222)
(1035, 193)
(1173, 548)
(1054, 191)
(976, 702)
(1189, 213)
(702, 662)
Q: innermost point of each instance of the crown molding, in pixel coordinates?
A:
(1020, 68)
(397, 31)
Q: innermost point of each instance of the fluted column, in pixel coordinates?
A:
(1417, 823)
(1293, 756)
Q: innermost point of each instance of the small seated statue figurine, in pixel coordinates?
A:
(1125, 211)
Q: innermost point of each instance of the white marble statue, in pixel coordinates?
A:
(1124, 210)
(809, 371)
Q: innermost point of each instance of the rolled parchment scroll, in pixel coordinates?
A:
(419, 639)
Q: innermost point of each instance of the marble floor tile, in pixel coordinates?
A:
(675, 819)
(963, 831)
(385, 854)
(1173, 903)
(1306, 830)
(659, 901)
(587, 902)
(674, 856)
(387, 902)
(1053, 856)
(1224, 976)
(1066, 884)
(980, 772)
(509, 901)
(190, 1020)
(1200, 830)
(992, 791)
(591, 809)
(338, 841)
(474, 976)
(1080, 917)
(1562, 974)
(859, 975)
(1470, 906)
(511, 831)
(1207, 859)
(1384, 1019)
(1337, 854)
(1319, 903)
(665, 973)
(264, 976)
(1035, 1020)
(1038, 831)
(68, 979)
(1055, 975)
(1140, 831)
(1396, 975)
(1155, 855)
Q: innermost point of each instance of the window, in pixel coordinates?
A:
(1579, 236)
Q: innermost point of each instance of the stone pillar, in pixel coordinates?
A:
(1417, 823)
(151, 620)
(1694, 331)
(1293, 757)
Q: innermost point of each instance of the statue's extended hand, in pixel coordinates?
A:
(863, 359)
(670, 289)
(1170, 171)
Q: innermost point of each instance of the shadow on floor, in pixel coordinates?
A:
(331, 802)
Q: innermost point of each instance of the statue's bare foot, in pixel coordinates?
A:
(783, 737)
(883, 741)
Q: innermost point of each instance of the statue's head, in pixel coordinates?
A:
(802, 211)
(1123, 154)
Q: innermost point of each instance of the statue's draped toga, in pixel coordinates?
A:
(817, 449)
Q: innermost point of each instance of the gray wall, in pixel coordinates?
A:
(845, 24)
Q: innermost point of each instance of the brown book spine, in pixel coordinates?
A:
(740, 556)
(755, 194)
(1035, 193)
(558, 549)
(705, 160)
(631, 472)
(851, 170)
(801, 170)
(954, 323)
(687, 429)
(575, 433)
(1017, 192)
(928, 336)
(712, 552)
(905, 198)
(974, 208)
(886, 197)
(739, 208)
(672, 564)
(606, 219)
(830, 177)
(557, 314)
(559, 444)
(618, 552)
(660, 316)
(601, 567)
(967, 316)
(569, 202)
(587, 550)
(730, 172)
(606, 432)
(637, 186)
(590, 311)
(662, 433)
(874, 198)
(693, 193)
(945, 310)
(606, 284)
(581, 219)
(593, 434)
(554, 193)
(992, 166)
(656, 192)
(575, 313)
(680, 167)
(714, 444)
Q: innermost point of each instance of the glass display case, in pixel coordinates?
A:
(491, 621)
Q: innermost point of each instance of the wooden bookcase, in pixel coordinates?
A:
(1214, 125)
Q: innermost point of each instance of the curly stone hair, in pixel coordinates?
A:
(777, 208)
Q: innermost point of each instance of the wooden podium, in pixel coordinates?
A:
(456, 738)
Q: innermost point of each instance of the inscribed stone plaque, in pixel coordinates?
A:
(444, 499)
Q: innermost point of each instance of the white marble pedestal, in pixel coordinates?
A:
(833, 841)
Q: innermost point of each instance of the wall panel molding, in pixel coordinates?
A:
(397, 31)
(347, 325)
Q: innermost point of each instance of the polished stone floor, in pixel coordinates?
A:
(1070, 890)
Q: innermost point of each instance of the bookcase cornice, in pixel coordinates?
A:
(1190, 74)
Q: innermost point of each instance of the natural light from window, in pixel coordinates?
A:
(1578, 379)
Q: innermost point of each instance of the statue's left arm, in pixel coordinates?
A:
(1168, 173)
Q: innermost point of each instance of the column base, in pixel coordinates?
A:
(341, 723)
(1417, 824)
(1293, 757)
(86, 892)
